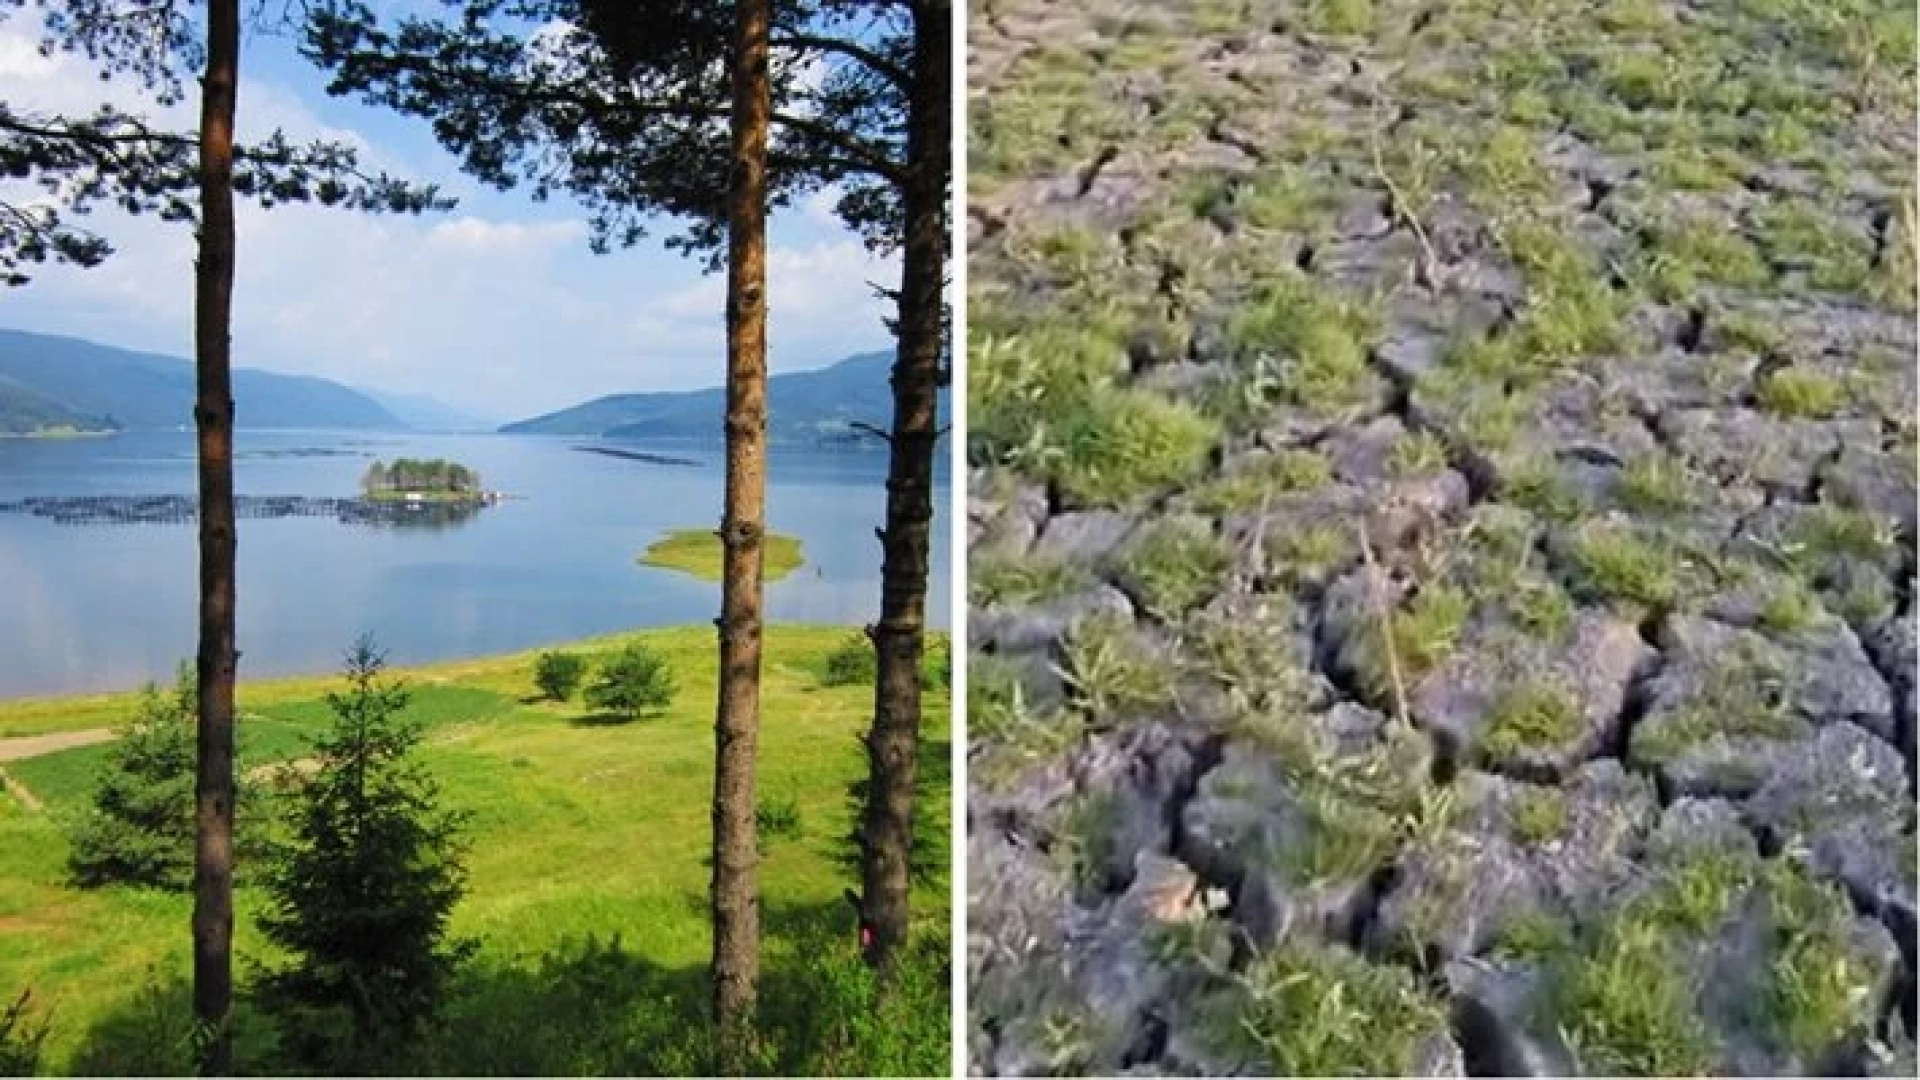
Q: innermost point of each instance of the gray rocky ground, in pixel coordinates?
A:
(1441, 535)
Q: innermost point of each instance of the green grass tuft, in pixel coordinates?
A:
(1305, 345)
(1535, 936)
(1318, 1010)
(1341, 18)
(1175, 564)
(1789, 608)
(1743, 697)
(1630, 1010)
(1614, 562)
(1534, 483)
(1007, 727)
(1110, 669)
(1801, 392)
(1426, 630)
(1539, 815)
(1121, 445)
(1820, 995)
(1416, 453)
(1023, 580)
(1656, 483)
(1834, 255)
(1309, 552)
(1250, 485)
(1530, 716)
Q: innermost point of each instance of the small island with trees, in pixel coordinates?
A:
(408, 480)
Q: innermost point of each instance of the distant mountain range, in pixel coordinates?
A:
(49, 382)
(424, 412)
(803, 407)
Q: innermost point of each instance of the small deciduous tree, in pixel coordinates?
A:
(139, 828)
(361, 892)
(631, 682)
(558, 674)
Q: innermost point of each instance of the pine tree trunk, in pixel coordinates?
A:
(736, 900)
(213, 415)
(898, 638)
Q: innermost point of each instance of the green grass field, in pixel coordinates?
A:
(697, 552)
(577, 831)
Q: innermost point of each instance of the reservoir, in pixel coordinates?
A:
(88, 605)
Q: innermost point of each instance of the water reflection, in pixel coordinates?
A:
(430, 517)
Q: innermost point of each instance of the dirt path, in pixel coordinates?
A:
(19, 791)
(32, 746)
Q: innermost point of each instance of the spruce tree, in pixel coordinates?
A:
(139, 828)
(361, 891)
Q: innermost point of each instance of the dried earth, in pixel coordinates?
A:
(1441, 537)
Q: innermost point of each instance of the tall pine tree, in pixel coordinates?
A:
(736, 892)
(219, 657)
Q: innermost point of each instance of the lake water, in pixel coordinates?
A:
(92, 607)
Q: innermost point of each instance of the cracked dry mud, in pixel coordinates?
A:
(1441, 537)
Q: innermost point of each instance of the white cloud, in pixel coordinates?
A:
(822, 206)
(20, 60)
(813, 294)
(476, 236)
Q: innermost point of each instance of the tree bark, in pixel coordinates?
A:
(898, 637)
(736, 900)
(213, 417)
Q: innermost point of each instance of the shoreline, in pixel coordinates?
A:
(12, 706)
(58, 436)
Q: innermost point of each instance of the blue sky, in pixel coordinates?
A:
(497, 307)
